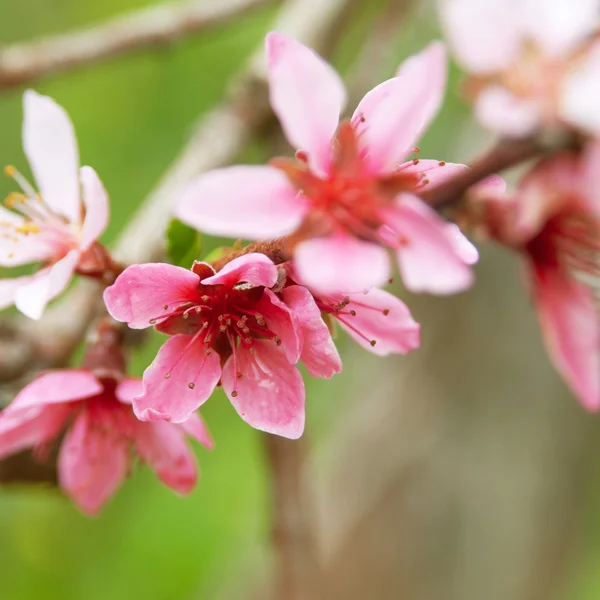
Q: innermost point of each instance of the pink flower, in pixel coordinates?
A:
(101, 431)
(228, 327)
(375, 319)
(534, 63)
(554, 221)
(57, 227)
(348, 193)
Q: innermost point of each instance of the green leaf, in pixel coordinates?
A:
(216, 254)
(183, 244)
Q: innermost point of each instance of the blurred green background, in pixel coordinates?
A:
(132, 115)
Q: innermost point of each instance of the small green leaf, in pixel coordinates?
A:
(216, 254)
(183, 244)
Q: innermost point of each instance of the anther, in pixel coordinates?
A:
(246, 330)
(191, 385)
(222, 328)
(9, 170)
(248, 340)
(415, 161)
(185, 315)
(386, 312)
(302, 156)
(426, 181)
(207, 351)
(234, 394)
(353, 312)
(373, 342)
(239, 375)
(152, 321)
(165, 307)
(167, 375)
(205, 298)
(442, 163)
(277, 340)
(240, 323)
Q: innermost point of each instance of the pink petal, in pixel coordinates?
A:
(544, 191)
(251, 202)
(196, 428)
(492, 187)
(319, 354)
(560, 25)
(380, 317)
(141, 292)
(282, 322)
(172, 398)
(427, 255)
(128, 388)
(462, 247)
(56, 387)
(571, 329)
(307, 96)
(590, 182)
(433, 172)
(95, 200)
(92, 463)
(163, 447)
(500, 111)
(22, 429)
(270, 393)
(341, 263)
(485, 35)
(31, 299)
(254, 268)
(578, 101)
(51, 148)
(391, 117)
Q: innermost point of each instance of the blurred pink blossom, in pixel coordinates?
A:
(57, 227)
(228, 327)
(553, 219)
(349, 194)
(534, 62)
(101, 432)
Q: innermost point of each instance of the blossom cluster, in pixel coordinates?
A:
(325, 223)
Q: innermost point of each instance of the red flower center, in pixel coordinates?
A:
(350, 196)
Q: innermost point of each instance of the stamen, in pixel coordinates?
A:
(359, 333)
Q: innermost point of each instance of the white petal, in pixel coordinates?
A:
(95, 200)
(51, 148)
(31, 298)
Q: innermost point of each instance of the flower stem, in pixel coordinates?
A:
(292, 521)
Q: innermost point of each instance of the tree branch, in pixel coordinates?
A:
(162, 24)
(505, 154)
(292, 532)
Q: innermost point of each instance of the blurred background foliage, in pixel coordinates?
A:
(132, 115)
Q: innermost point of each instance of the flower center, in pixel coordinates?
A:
(33, 216)
(569, 241)
(350, 196)
(223, 319)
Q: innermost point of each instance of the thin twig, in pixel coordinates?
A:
(154, 26)
(504, 155)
